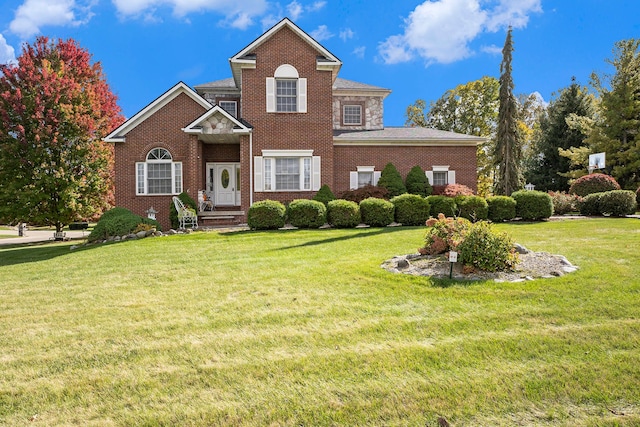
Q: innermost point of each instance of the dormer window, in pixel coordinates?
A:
(286, 91)
(230, 107)
(352, 115)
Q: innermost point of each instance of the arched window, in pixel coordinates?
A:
(159, 174)
(286, 91)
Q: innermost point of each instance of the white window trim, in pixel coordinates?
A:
(353, 176)
(141, 168)
(344, 115)
(451, 174)
(235, 103)
(265, 170)
(286, 71)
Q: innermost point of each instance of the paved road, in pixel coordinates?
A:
(35, 236)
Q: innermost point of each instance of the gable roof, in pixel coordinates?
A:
(196, 127)
(410, 136)
(119, 134)
(246, 59)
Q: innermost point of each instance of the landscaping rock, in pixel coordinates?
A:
(520, 249)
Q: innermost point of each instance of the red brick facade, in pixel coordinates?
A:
(179, 124)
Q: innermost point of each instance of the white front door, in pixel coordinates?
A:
(225, 184)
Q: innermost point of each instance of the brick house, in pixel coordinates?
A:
(283, 125)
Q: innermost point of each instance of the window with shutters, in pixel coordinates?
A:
(363, 176)
(159, 174)
(441, 175)
(287, 170)
(286, 91)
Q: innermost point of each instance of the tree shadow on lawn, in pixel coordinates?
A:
(356, 235)
(24, 253)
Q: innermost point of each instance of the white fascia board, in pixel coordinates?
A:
(193, 127)
(407, 143)
(119, 134)
(287, 153)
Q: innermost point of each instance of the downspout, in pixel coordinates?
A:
(250, 167)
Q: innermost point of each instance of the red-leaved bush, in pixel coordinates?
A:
(593, 183)
(452, 190)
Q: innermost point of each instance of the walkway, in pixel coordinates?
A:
(36, 236)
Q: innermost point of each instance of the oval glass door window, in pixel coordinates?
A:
(224, 178)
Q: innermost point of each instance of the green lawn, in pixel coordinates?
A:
(304, 328)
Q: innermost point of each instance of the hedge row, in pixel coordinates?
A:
(610, 203)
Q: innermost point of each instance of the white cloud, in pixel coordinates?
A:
(294, 10)
(32, 15)
(347, 34)
(441, 30)
(7, 52)
(359, 52)
(321, 33)
(492, 49)
(316, 6)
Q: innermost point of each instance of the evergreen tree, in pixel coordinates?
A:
(417, 182)
(616, 133)
(391, 180)
(549, 169)
(508, 149)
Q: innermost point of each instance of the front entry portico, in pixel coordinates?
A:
(223, 183)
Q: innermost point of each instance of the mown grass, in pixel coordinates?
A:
(305, 328)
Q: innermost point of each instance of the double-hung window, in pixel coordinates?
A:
(287, 170)
(286, 91)
(352, 115)
(441, 175)
(286, 95)
(230, 107)
(363, 176)
(159, 174)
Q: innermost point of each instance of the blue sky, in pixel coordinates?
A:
(418, 49)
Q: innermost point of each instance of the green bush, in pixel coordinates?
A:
(376, 212)
(119, 222)
(590, 204)
(343, 213)
(501, 208)
(473, 208)
(391, 180)
(365, 192)
(266, 215)
(411, 209)
(442, 205)
(486, 249)
(324, 195)
(533, 205)
(173, 214)
(618, 203)
(418, 183)
(638, 196)
(593, 183)
(564, 203)
(444, 234)
(304, 213)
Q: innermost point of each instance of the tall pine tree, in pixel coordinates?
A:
(508, 149)
(550, 168)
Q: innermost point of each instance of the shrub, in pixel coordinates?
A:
(324, 195)
(501, 208)
(618, 203)
(533, 205)
(304, 213)
(119, 222)
(376, 212)
(266, 215)
(638, 196)
(486, 249)
(173, 214)
(444, 234)
(593, 183)
(590, 205)
(453, 190)
(442, 205)
(391, 180)
(473, 208)
(564, 203)
(411, 209)
(364, 193)
(343, 213)
(418, 183)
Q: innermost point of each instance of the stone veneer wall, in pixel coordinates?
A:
(372, 112)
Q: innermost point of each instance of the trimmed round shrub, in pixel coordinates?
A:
(593, 183)
(343, 213)
(391, 180)
(119, 222)
(473, 208)
(441, 205)
(418, 183)
(453, 190)
(365, 192)
(590, 204)
(638, 196)
(304, 213)
(173, 213)
(266, 215)
(324, 195)
(411, 209)
(376, 212)
(618, 203)
(486, 249)
(501, 208)
(533, 205)
(564, 203)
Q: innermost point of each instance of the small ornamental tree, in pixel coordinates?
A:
(418, 183)
(55, 109)
(324, 195)
(593, 183)
(391, 180)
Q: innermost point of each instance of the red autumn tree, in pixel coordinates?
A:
(55, 109)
